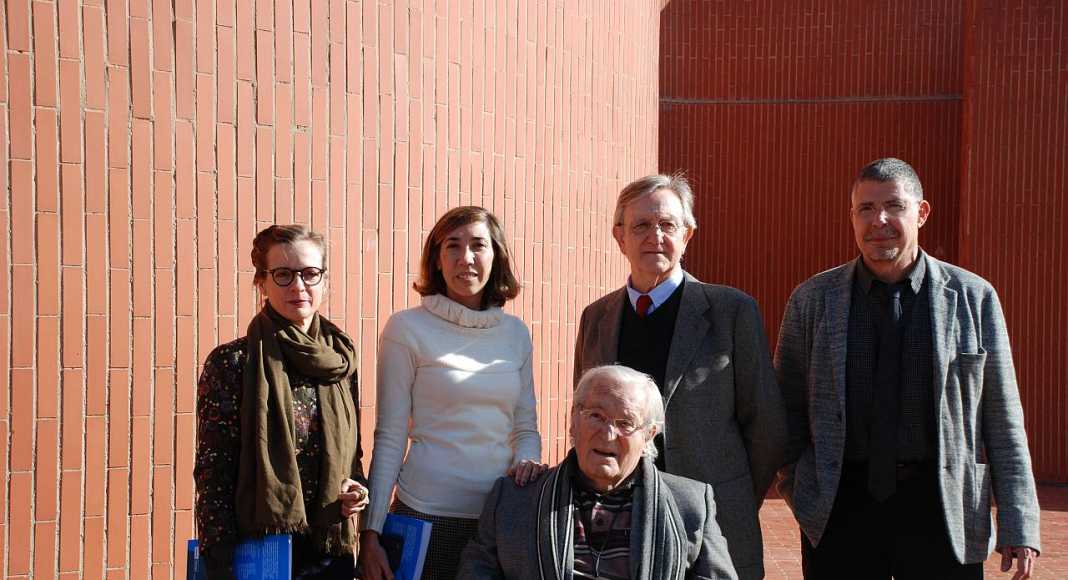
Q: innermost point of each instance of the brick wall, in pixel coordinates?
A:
(772, 112)
(1014, 198)
(145, 142)
(772, 108)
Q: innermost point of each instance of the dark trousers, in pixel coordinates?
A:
(311, 564)
(903, 537)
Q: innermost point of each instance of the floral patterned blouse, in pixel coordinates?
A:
(219, 440)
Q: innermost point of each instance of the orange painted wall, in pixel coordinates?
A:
(771, 108)
(145, 142)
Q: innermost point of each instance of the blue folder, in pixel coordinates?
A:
(266, 558)
(406, 540)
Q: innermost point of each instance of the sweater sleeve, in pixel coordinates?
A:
(218, 449)
(396, 375)
(524, 438)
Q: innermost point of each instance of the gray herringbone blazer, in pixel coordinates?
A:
(725, 422)
(982, 448)
(526, 533)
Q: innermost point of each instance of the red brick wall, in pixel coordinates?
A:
(771, 108)
(772, 112)
(145, 142)
(1015, 198)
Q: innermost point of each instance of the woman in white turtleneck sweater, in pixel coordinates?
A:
(455, 379)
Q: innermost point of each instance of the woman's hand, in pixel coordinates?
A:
(373, 557)
(353, 498)
(526, 471)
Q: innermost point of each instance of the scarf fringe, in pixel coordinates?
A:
(273, 530)
(338, 539)
(332, 540)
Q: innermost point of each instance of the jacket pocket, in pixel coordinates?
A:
(705, 374)
(720, 361)
(970, 367)
(972, 359)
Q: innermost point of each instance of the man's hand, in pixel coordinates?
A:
(353, 498)
(1025, 560)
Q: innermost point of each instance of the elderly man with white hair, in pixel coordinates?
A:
(605, 511)
(704, 345)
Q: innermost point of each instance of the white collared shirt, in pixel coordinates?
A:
(658, 294)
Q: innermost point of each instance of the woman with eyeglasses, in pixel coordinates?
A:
(456, 389)
(278, 438)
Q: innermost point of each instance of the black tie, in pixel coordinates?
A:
(882, 446)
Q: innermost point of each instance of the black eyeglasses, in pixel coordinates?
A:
(284, 276)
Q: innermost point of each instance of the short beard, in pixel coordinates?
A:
(885, 254)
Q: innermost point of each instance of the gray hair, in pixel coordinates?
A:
(676, 184)
(891, 169)
(653, 409)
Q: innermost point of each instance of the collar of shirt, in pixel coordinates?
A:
(584, 487)
(915, 277)
(658, 294)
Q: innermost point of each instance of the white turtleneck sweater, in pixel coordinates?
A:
(459, 384)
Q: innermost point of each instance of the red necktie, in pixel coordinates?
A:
(643, 305)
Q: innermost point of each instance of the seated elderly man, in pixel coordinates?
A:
(605, 511)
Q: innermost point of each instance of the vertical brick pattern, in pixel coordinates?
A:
(772, 184)
(1014, 199)
(145, 142)
(771, 108)
(818, 49)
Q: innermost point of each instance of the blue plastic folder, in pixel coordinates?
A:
(405, 540)
(266, 558)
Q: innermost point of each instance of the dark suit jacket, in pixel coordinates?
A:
(525, 533)
(725, 420)
(982, 447)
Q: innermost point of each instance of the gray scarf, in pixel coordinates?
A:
(656, 541)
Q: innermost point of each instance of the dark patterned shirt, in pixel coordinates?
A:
(219, 440)
(916, 423)
(602, 529)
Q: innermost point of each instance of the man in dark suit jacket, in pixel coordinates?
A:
(904, 412)
(705, 346)
(605, 511)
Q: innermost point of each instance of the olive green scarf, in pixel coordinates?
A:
(269, 498)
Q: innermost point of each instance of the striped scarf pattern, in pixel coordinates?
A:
(656, 542)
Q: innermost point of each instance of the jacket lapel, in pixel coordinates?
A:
(691, 325)
(836, 328)
(607, 329)
(943, 330)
